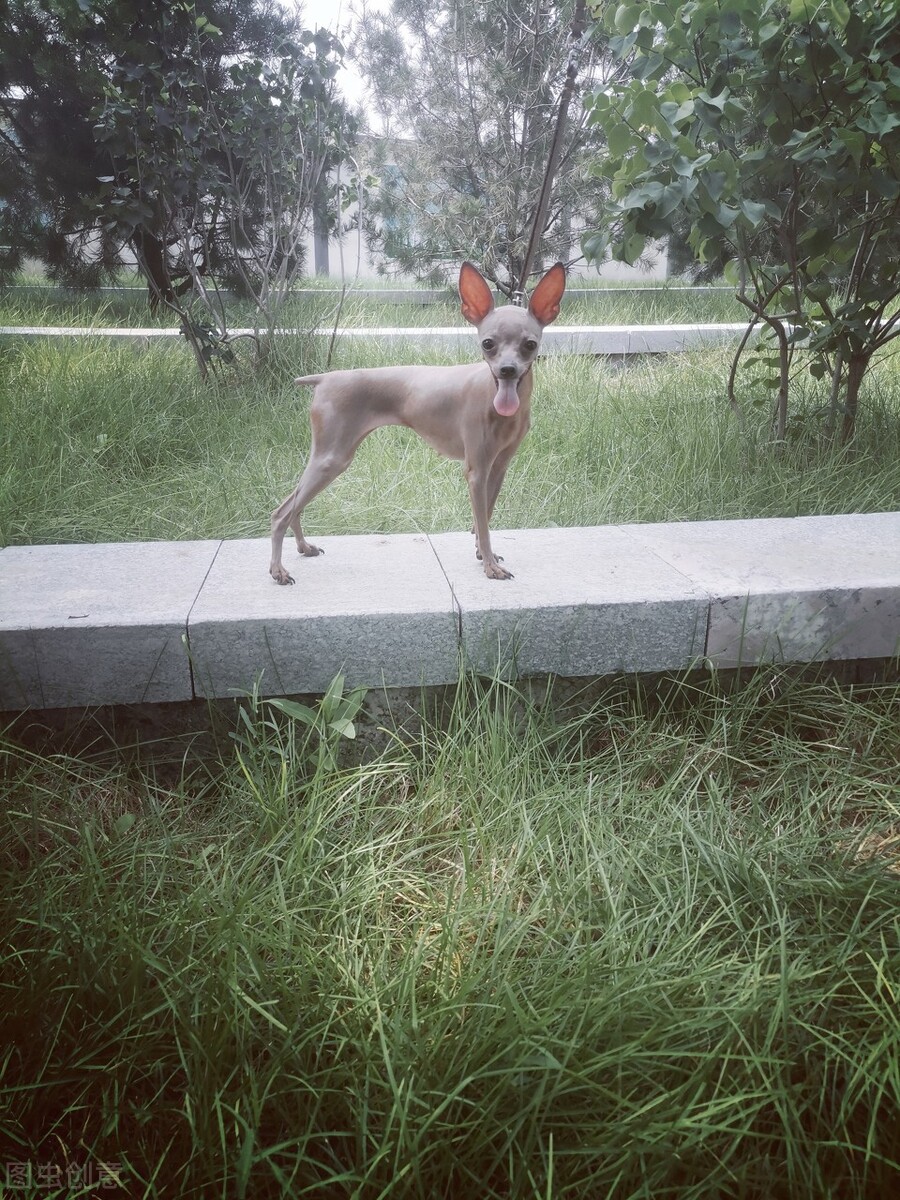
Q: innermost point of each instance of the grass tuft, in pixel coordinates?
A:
(119, 444)
(644, 949)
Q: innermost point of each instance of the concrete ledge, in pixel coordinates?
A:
(378, 609)
(119, 624)
(558, 339)
(582, 602)
(97, 624)
(794, 589)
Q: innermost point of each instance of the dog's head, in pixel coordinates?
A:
(510, 336)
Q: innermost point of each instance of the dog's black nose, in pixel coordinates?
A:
(507, 371)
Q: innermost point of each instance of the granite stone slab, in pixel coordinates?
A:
(97, 624)
(676, 339)
(793, 589)
(375, 608)
(582, 602)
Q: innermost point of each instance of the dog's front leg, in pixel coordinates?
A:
(478, 481)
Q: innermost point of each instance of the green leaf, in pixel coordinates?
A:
(880, 120)
(687, 166)
(299, 712)
(640, 197)
(802, 11)
(626, 18)
(619, 139)
(840, 11)
(343, 727)
(714, 182)
(671, 198)
(644, 109)
(678, 91)
(597, 103)
(885, 185)
(124, 823)
(676, 113)
(595, 245)
(754, 212)
(633, 248)
(854, 141)
(334, 693)
(717, 102)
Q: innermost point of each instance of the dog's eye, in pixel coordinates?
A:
(530, 345)
(488, 344)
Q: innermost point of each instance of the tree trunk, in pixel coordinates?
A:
(856, 369)
(151, 256)
(837, 372)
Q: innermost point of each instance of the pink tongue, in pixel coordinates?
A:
(506, 401)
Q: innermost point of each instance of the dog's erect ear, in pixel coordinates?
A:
(477, 298)
(544, 306)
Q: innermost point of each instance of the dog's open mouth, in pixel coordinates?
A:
(506, 400)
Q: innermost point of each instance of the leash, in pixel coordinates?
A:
(575, 35)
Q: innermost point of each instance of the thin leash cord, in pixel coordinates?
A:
(575, 36)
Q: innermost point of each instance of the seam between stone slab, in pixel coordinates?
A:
(474, 615)
(701, 591)
(187, 619)
(754, 589)
(360, 632)
(453, 596)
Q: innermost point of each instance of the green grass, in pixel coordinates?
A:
(650, 950)
(624, 947)
(321, 307)
(114, 443)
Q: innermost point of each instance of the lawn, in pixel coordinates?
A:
(630, 944)
(321, 306)
(647, 950)
(103, 442)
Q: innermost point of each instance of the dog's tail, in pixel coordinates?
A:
(312, 380)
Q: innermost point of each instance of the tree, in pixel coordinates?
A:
(192, 134)
(48, 159)
(468, 96)
(215, 168)
(774, 128)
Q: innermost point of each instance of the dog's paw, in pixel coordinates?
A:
(280, 575)
(308, 550)
(495, 571)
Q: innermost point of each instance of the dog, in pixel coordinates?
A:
(477, 413)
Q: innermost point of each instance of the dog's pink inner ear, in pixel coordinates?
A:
(477, 298)
(544, 306)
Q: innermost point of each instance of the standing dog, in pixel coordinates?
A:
(478, 413)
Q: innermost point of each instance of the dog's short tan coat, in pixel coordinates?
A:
(478, 413)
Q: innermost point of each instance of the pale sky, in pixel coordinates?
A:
(335, 15)
(328, 13)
